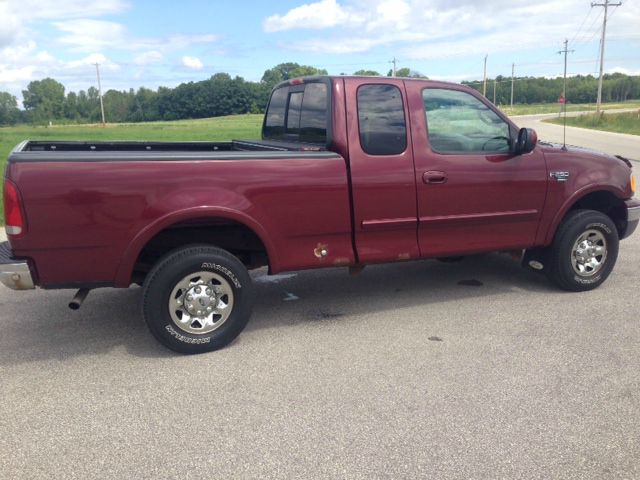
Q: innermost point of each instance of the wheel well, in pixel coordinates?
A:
(607, 203)
(236, 238)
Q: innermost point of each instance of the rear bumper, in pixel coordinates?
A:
(633, 216)
(14, 274)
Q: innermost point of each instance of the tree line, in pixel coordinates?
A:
(46, 100)
(616, 87)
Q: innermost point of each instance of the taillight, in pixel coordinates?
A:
(13, 217)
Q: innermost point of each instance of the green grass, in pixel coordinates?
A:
(539, 108)
(208, 129)
(610, 122)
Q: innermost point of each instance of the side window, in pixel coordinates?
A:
(313, 119)
(274, 121)
(457, 122)
(293, 114)
(381, 120)
(275, 115)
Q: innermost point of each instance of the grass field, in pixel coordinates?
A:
(211, 129)
(611, 122)
(539, 108)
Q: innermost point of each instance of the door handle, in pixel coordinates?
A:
(434, 176)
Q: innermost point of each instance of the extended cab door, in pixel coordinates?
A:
(473, 194)
(382, 171)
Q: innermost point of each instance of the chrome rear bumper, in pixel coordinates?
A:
(14, 274)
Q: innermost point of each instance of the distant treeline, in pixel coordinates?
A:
(46, 101)
(616, 87)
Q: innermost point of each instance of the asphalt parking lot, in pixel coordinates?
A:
(478, 369)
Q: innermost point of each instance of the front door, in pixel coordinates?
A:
(473, 194)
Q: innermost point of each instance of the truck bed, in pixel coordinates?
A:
(85, 204)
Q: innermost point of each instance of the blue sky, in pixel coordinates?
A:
(154, 43)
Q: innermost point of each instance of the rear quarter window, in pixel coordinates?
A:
(381, 121)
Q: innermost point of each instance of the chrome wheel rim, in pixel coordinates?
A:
(589, 253)
(201, 302)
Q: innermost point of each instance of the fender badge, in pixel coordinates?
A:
(560, 176)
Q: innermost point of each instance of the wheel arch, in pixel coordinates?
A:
(605, 199)
(199, 219)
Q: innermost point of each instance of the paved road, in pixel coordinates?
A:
(612, 143)
(401, 372)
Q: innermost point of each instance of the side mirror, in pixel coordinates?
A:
(527, 140)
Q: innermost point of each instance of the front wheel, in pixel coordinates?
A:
(197, 299)
(584, 251)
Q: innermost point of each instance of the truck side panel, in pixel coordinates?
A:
(83, 216)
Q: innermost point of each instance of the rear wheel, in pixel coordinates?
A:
(584, 251)
(197, 299)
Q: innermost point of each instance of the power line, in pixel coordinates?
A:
(614, 10)
(581, 25)
(594, 32)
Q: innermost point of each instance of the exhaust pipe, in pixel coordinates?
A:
(78, 298)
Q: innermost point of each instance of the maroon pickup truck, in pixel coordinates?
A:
(350, 171)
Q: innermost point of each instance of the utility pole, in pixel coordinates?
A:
(513, 67)
(564, 91)
(495, 80)
(484, 83)
(394, 65)
(606, 6)
(100, 92)
(564, 85)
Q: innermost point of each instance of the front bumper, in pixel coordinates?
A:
(633, 216)
(14, 274)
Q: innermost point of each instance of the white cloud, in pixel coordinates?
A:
(319, 45)
(391, 14)
(45, 57)
(15, 75)
(66, 8)
(11, 25)
(428, 29)
(16, 15)
(89, 34)
(86, 35)
(623, 70)
(148, 58)
(322, 14)
(192, 62)
(90, 61)
(76, 37)
(176, 42)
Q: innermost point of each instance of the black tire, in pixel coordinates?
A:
(564, 265)
(164, 285)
